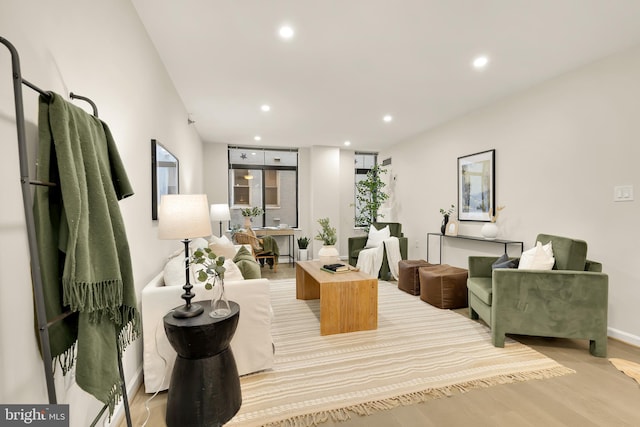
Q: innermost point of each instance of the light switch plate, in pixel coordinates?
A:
(623, 193)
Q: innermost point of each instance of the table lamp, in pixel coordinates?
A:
(220, 212)
(183, 217)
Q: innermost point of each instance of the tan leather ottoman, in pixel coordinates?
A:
(444, 286)
(408, 279)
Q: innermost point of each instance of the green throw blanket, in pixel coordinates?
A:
(83, 248)
(270, 246)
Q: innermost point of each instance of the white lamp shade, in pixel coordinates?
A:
(220, 212)
(183, 216)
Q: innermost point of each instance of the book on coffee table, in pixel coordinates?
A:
(336, 267)
(334, 272)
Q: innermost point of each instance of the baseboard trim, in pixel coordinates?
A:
(132, 387)
(624, 336)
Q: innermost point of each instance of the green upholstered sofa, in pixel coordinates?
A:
(569, 301)
(356, 244)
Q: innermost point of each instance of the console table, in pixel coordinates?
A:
(479, 239)
(276, 231)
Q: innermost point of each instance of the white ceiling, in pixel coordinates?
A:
(353, 61)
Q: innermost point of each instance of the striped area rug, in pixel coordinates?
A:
(418, 353)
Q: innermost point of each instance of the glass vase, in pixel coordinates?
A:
(219, 303)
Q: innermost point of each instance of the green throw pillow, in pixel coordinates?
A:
(247, 264)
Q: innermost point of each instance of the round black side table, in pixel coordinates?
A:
(205, 387)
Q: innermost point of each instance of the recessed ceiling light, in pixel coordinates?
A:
(265, 107)
(480, 62)
(387, 118)
(257, 138)
(347, 143)
(254, 153)
(286, 32)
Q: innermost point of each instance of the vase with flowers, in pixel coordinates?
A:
(445, 218)
(211, 274)
(249, 213)
(490, 230)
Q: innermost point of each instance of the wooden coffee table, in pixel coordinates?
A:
(348, 301)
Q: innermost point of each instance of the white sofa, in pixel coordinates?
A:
(252, 344)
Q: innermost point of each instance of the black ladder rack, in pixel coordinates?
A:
(26, 182)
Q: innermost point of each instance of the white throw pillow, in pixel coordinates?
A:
(173, 273)
(548, 248)
(537, 258)
(198, 243)
(232, 273)
(222, 246)
(376, 237)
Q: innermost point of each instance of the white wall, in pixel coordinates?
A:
(561, 147)
(216, 177)
(99, 50)
(306, 222)
(324, 195)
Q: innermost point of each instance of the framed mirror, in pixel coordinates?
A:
(164, 175)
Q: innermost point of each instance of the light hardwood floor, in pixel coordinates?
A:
(597, 395)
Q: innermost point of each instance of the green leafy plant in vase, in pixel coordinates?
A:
(303, 242)
(212, 275)
(328, 253)
(249, 213)
(303, 252)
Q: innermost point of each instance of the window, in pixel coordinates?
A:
(267, 178)
(272, 188)
(364, 162)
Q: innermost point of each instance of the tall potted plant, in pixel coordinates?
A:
(370, 196)
(328, 253)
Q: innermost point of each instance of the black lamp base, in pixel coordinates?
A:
(187, 311)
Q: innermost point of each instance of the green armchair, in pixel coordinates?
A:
(569, 301)
(356, 244)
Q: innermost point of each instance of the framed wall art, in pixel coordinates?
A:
(476, 186)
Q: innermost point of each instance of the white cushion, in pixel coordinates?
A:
(232, 273)
(376, 237)
(539, 257)
(174, 271)
(198, 243)
(222, 246)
